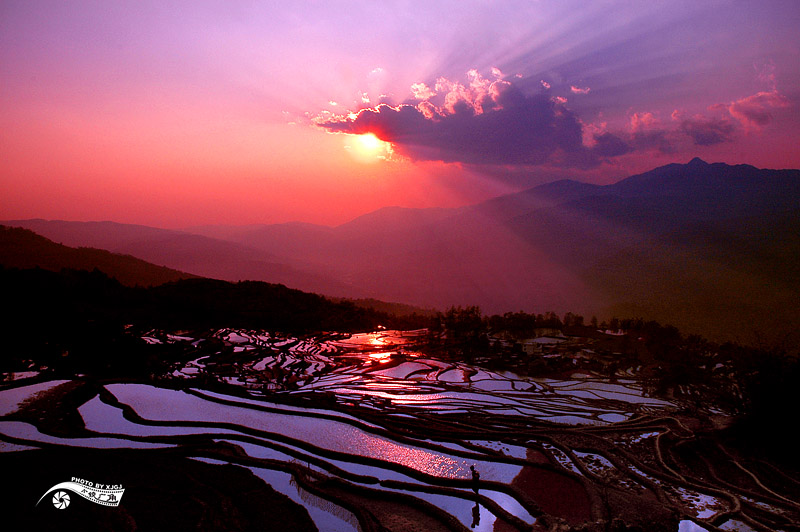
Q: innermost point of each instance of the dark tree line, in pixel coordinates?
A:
(82, 317)
(754, 382)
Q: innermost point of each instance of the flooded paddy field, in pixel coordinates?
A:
(372, 432)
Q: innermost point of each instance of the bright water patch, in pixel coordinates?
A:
(690, 526)
(26, 431)
(167, 405)
(12, 398)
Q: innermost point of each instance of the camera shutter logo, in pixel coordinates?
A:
(61, 500)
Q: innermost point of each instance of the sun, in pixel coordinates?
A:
(368, 148)
(369, 142)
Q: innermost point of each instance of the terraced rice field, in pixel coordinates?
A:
(366, 432)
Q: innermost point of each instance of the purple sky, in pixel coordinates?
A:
(179, 113)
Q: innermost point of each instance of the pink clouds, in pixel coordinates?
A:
(592, 131)
(483, 121)
(422, 91)
(482, 94)
(488, 120)
(723, 123)
(766, 74)
(643, 121)
(751, 113)
(649, 132)
(755, 112)
(428, 110)
(707, 131)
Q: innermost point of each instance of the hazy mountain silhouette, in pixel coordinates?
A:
(197, 254)
(386, 219)
(710, 247)
(21, 248)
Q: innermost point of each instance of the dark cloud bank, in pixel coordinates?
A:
(491, 122)
(505, 127)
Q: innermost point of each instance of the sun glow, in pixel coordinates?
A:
(368, 148)
(369, 142)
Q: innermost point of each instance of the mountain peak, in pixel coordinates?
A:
(697, 161)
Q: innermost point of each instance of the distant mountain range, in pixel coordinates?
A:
(712, 248)
(21, 248)
(181, 250)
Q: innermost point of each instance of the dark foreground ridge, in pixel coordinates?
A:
(56, 303)
(164, 490)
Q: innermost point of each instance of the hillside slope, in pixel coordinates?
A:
(21, 248)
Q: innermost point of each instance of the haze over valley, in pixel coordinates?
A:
(708, 247)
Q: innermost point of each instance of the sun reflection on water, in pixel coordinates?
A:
(382, 356)
(424, 461)
(376, 340)
(409, 398)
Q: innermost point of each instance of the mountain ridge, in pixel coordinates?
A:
(566, 245)
(197, 254)
(22, 248)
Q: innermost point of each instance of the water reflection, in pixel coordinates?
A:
(370, 368)
(382, 356)
(476, 515)
(421, 460)
(170, 405)
(376, 340)
(376, 371)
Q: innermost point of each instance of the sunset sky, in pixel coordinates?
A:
(197, 112)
